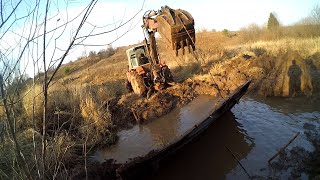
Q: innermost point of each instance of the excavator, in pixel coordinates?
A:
(147, 71)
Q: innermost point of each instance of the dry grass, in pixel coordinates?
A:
(95, 115)
(305, 47)
(76, 117)
(63, 104)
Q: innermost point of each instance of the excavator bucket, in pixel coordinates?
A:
(177, 28)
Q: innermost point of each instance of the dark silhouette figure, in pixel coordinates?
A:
(143, 59)
(294, 74)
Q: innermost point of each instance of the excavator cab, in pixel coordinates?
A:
(137, 56)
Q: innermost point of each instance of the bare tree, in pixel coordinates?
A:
(31, 33)
(315, 14)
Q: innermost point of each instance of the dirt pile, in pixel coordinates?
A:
(130, 108)
(286, 75)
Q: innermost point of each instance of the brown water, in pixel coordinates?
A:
(254, 131)
(141, 139)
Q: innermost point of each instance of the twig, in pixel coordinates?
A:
(45, 96)
(235, 157)
(135, 115)
(284, 147)
(19, 155)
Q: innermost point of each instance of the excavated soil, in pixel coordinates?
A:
(131, 109)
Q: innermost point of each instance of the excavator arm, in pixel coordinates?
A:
(176, 27)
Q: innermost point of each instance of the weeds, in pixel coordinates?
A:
(66, 70)
(259, 51)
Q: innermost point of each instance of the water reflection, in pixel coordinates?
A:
(289, 105)
(164, 132)
(142, 139)
(208, 157)
(272, 124)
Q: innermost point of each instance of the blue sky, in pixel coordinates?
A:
(107, 14)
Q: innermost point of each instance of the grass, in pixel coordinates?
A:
(305, 46)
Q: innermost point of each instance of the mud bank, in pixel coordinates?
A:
(286, 75)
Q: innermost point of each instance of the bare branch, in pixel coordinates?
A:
(106, 32)
(116, 39)
(11, 128)
(45, 95)
(91, 5)
(1, 11)
(12, 12)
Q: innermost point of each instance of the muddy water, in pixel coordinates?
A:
(142, 139)
(253, 130)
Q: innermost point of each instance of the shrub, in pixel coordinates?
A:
(96, 117)
(92, 54)
(62, 105)
(259, 51)
(273, 22)
(225, 32)
(105, 53)
(252, 33)
(66, 71)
